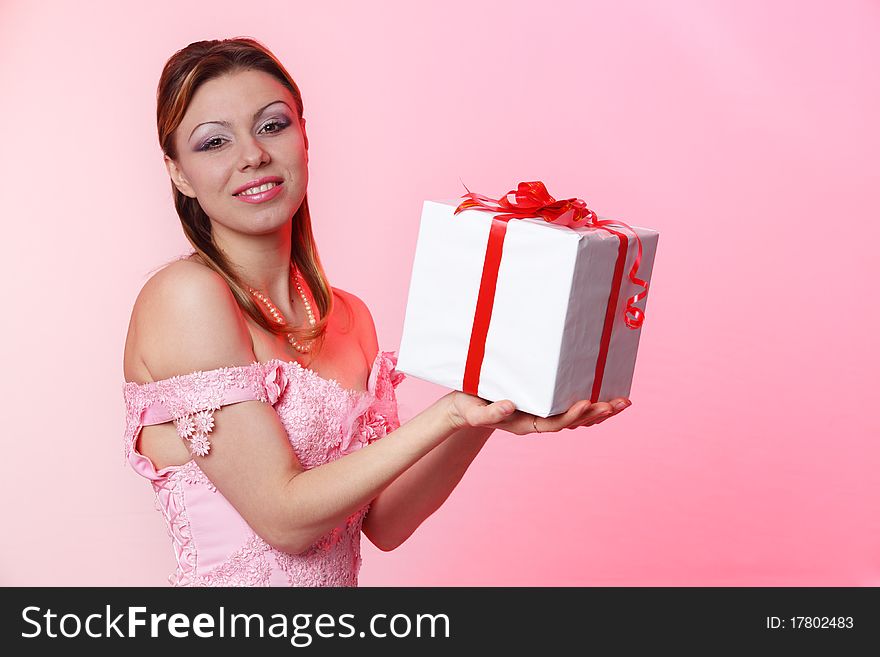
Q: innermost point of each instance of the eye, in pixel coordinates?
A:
(279, 125)
(207, 145)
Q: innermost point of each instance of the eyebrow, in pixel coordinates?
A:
(229, 125)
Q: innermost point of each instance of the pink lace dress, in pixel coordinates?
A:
(213, 544)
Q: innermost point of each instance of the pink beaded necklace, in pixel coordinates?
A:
(279, 318)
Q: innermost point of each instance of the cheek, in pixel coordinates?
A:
(301, 163)
(293, 147)
(213, 181)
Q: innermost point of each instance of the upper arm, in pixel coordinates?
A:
(189, 321)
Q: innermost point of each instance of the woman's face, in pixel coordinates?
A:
(239, 128)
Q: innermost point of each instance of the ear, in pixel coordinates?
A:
(178, 178)
(302, 123)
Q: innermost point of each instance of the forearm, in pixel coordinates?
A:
(317, 500)
(411, 498)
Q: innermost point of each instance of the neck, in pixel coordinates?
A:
(263, 261)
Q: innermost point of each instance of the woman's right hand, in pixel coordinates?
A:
(469, 411)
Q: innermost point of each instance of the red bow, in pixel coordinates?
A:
(531, 199)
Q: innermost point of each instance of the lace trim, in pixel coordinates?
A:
(170, 502)
(191, 473)
(334, 560)
(247, 566)
(191, 399)
(195, 428)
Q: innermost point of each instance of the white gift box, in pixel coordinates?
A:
(544, 347)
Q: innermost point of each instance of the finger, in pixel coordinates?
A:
(584, 410)
(496, 412)
(598, 412)
(564, 420)
(618, 405)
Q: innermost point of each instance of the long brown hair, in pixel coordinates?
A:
(183, 74)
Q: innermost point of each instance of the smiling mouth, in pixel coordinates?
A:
(258, 189)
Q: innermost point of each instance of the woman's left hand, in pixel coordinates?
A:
(586, 416)
(468, 410)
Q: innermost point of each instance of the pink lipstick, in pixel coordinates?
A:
(261, 197)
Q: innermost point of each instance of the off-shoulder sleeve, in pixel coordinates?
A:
(189, 400)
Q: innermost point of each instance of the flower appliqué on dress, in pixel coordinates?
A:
(275, 380)
(191, 473)
(185, 426)
(368, 428)
(375, 426)
(195, 428)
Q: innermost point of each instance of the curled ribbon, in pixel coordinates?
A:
(531, 199)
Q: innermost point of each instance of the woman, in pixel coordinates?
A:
(255, 392)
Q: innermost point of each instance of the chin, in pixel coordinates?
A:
(269, 224)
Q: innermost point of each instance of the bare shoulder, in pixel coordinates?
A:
(365, 327)
(186, 319)
(180, 281)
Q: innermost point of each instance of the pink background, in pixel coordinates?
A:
(745, 132)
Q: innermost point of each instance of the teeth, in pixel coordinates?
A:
(257, 190)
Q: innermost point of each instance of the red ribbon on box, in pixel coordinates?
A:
(532, 200)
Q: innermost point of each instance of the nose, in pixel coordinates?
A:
(253, 154)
